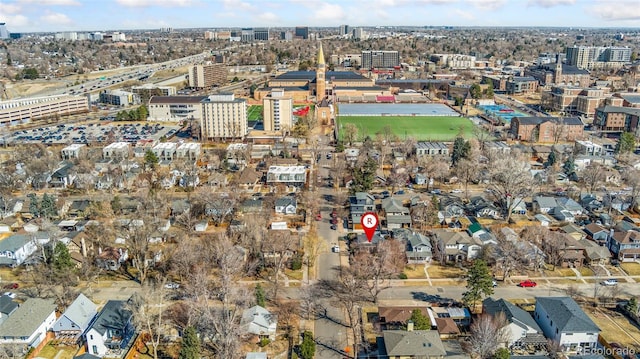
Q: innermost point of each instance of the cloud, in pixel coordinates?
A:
(550, 3)
(398, 3)
(52, 2)
(160, 3)
(56, 18)
(238, 5)
(9, 9)
(619, 10)
(326, 11)
(487, 4)
(467, 15)
(269, 17)
(14, 21)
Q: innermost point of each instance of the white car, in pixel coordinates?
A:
(456, 191)
(335, 248)
(610, 282)
(172, 285)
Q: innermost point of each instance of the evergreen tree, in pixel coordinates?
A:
(632, 305)
(552, 159)
(461, 149)
(151, 159)
(479, 283)
(48, 206)
(190, 344)
(420, 321)
(34, 205)
(502, 353)
(626, 143)
(308, 346)
(143, 112)
(260, 296)
(475, 91)
(569, 166)
(61, 258)
(364, 176)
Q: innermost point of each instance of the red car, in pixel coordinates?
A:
(528, 284)
(12, 286)
(318, 217)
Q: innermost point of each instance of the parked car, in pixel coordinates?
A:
(318, 217)
(400, 192)
(335, 248)
(385, 194)
(610, 282)
(456, 191)
(494, 283)
(12, 286)
(334, 227)
(528, 284)
(172, 285)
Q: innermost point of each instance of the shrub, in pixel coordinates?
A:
(402, 276)
(264, 342)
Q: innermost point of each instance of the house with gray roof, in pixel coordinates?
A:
(408, 344)
(28, 325)
(286, 205)
(458, 246)
(15, 249)
(259, 321)
(76, 319)
(7, 306)
(418, 246)
(565, 323)
(395, 215)
(521, 327)
(110, 331)
(543, 204)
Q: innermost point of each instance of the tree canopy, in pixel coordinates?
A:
(420, 321)
(626, 143)
(308, 346)
(190, 344)
(479, 283)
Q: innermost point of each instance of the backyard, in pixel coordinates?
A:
(422, 128)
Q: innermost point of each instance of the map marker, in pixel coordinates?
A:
(369, 222)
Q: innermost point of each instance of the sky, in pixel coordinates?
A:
(100, 15)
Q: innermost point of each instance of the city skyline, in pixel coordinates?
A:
(92, 15)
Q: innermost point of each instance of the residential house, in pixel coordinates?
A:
(72, 151)
(520, 326)
(111, 330)
(79, 208)
(15, 249)
(28, 325)
(625, 245)
(252, 205)
(483, 208)
(565, 249)
(458, 246)
(452, 207)
(256, 355)
(574, 231)
(418, 246)
(76, 318)
(359, 204)
(562, 215)
(590, 202)
(201, 226)
(570, 205)
(395, 215)
(259, 321)
(111, 258)
(597, 233)
(594, 253)
(7, 306)
(396, 317)
(544, 221)
(288, 175)
(542, 204)
(411, 344)
(563, 322)
(63, 177)
(431, 149)
(461, 316)
(286, 205)
(447, 328)
(519, 207)
(247, 179)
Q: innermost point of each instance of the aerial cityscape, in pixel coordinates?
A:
(299, 179)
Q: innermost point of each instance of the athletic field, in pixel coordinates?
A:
(421, 128)
(254, 113)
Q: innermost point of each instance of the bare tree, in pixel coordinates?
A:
(350, 133)
(510, 179)
(277, 248)
(558, 130)
(373, 268)
(148, 308)
(467, 171)
(592, 176)
(631, 177)
(487, 334)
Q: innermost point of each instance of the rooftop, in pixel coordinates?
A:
(27, 318)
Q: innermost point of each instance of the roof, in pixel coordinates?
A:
(447, 326)
(631, 98)
(86, 356)
(530, 120)
(175, 99)
(513, 314)
(27, 318)
(258, 320)
(15, 242)
(392, 205)
(593, 228)
(113, 314)
(620, 109)
(546, 202)
(567, 315)
(256, 355)
(7, 305)
(399, 314)
(412, 343)
(81, 311)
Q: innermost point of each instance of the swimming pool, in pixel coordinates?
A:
(502, 112)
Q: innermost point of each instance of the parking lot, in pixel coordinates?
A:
(94, 133)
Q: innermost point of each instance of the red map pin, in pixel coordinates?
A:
(369, 222)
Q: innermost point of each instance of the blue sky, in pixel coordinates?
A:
(87, 15)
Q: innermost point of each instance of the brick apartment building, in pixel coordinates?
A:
(547, 129)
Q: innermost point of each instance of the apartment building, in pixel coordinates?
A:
(16, 112)
(617, 119)
(223, 117)
(380, 59)
(578, 101)
(278, 111)
(512, 84)
(145, 92)
(208, 75)
(289, 175)
(597, 57)
(547, 129)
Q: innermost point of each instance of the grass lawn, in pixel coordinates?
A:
(631, 268)
(254, 113)
(293, 274)
(560, 272)
(610, 324)
(414, 271)
(423, 128)
(586, 272)
(437, 271)
(50, 352)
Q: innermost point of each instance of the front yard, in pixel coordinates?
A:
(437, 271)
(57, 351)
(415, 271)
(632, 268)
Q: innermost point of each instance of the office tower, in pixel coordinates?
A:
(208, 75)
(302, 32)
(380, 59)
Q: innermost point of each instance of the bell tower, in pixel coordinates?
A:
(320, 75)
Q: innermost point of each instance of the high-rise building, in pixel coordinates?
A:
(223, 116)
(208, 75)
(358, 34)
(247, 35)
(380, 59)
(278, 111)
(592, 57)
(344, 29)
(261, 34)
(302, 32)
(4, 33)
(286, 35)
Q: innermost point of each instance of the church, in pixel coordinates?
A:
(315, 86)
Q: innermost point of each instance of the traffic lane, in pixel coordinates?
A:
(330, 331)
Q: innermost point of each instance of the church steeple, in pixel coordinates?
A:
(320, 75)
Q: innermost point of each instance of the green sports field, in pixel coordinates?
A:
(254, 113)
(422, 128)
